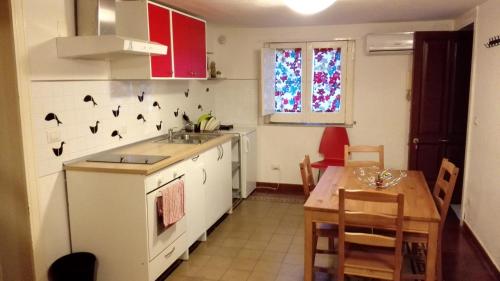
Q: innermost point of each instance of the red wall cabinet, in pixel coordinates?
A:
(159, 32)
(189, 44)
(184, 35)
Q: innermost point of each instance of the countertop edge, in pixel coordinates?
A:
(142, 169)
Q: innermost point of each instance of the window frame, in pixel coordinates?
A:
(307, 115)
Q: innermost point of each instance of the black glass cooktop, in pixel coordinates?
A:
(127, 159)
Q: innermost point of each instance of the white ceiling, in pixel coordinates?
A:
(260, 13)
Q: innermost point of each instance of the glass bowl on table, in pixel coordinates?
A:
(375, 177)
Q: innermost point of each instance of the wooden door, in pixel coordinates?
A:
(441, 74)
(159, 32)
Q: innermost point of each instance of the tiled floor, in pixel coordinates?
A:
(261, 240)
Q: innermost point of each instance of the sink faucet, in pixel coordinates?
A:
(171, 133)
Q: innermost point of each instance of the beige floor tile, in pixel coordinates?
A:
(229, 252)
(292, 269)
(288, 230)
(266, 266)
(212, 273)
(292, 258)
(243, 264)
(281, 238)
(296, 248)
(239, 234)
(250, 254)
(262, 276)
(272, 256)
(278, 247)
(219, 262)
(255, 245)
(261, 236)
(197, 260)
(234, 242)
(187, 270)
(236, 275)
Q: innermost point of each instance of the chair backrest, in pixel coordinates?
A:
(360, 218)
(307, 176)
(332, 142)
(364, 149)
(443, 188)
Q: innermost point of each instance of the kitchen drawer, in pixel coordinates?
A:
(167, 257)
(163, 176)
(160, 238)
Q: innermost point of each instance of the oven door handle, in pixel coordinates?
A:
(175, 178)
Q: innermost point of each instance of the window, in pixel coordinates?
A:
(308, 82)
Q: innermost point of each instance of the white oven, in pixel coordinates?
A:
(159, 237)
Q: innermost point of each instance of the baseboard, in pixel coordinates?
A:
(286, 188)
(485, 257)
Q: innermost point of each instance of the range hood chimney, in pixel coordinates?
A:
(95, 17)
(96, 35)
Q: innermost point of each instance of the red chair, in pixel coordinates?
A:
(332, 148)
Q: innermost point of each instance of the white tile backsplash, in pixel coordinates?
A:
(66, 100)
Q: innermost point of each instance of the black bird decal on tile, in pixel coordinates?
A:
(207, 90)
(186, 93)
(158, 127)
(89, 98)
(94, 129)
(116, 112)
(156, 104)
(141, 97)
(116, 133)
(176, 113)
(58, 151)
(200, 107)
(139, 117)
(52, 116)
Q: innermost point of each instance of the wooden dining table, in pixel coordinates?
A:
(420, 213)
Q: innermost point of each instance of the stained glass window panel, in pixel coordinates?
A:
(326, 86)
(288, 80)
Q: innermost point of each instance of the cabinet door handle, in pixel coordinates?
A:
(222, 150)
(170, 253)
(218, 153)
(204, 176)
(444, 140)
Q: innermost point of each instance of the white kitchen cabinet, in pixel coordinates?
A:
(218, 182)
(195, 200)
(113, 215)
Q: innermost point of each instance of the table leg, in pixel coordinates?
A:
(432, 252)
(308, 250)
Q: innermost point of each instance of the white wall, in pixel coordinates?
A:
(482, 193)
(381, 110)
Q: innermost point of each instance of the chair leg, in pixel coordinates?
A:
(315, 246)
(439, 268)
(331, 243)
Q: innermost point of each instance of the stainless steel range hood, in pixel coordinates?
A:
(96, 35)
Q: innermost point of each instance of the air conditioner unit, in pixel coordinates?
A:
(389, 43)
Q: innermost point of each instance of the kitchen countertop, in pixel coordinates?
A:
(177, 153)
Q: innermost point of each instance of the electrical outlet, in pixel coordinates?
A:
(53, 136)
(275, 167)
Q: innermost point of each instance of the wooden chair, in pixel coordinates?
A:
(442, 193)
(367, 254)
(364, 149)
(329, 231)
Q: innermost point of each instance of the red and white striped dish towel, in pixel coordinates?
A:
(172, 203)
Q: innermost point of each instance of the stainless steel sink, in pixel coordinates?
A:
(189, 138)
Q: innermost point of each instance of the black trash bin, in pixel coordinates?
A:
(74, 267)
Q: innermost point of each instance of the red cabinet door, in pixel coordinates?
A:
(159, 32)
(189, 46)
(199, 50)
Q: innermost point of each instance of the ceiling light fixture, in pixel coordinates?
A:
(308, 7)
